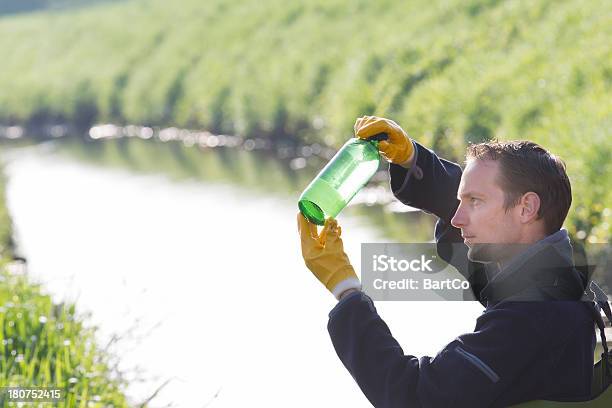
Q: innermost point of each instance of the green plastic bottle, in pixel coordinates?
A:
(345, 174)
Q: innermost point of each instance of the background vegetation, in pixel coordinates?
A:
(450, 72)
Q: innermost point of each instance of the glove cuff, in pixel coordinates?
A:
(411, 159)
(407, 153)
(350, 283)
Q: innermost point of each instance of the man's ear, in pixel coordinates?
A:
(530, 205)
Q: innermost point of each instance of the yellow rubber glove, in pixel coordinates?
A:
(398, 149)
(324, 256)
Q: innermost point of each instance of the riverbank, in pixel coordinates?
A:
(6, 239)
(48, 344)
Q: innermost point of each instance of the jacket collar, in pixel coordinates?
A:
(541, 271)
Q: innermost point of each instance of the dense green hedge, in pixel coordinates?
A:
(450, 72)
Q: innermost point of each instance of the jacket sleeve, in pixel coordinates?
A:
(471, 371)
(431, 185)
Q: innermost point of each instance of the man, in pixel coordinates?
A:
(499, 223)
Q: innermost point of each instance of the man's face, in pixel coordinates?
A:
(481, 215)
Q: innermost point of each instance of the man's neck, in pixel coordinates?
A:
(515, 250)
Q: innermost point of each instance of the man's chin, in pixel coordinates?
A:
(487, 253)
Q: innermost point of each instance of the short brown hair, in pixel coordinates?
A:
(524, 167)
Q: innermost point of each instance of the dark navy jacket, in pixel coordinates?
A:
(534, 340)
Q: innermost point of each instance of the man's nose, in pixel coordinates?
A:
(459, 220)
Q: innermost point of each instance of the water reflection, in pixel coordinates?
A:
(268, 171)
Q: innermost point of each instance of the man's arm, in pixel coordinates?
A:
(472, 371)
(429, 183)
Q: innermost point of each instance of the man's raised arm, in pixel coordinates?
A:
(420, 179)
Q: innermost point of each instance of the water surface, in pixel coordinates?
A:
(203, 282)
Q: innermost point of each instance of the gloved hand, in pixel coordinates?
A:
(398, 149)
(324, 256)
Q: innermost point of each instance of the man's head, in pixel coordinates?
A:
(510, 193)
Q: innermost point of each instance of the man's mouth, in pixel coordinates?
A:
(467, 238)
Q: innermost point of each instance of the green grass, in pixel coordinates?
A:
(44, 344)
(450, 72)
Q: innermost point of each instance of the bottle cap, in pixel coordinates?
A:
(378, 137)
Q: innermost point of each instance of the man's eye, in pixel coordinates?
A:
(474, 200)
